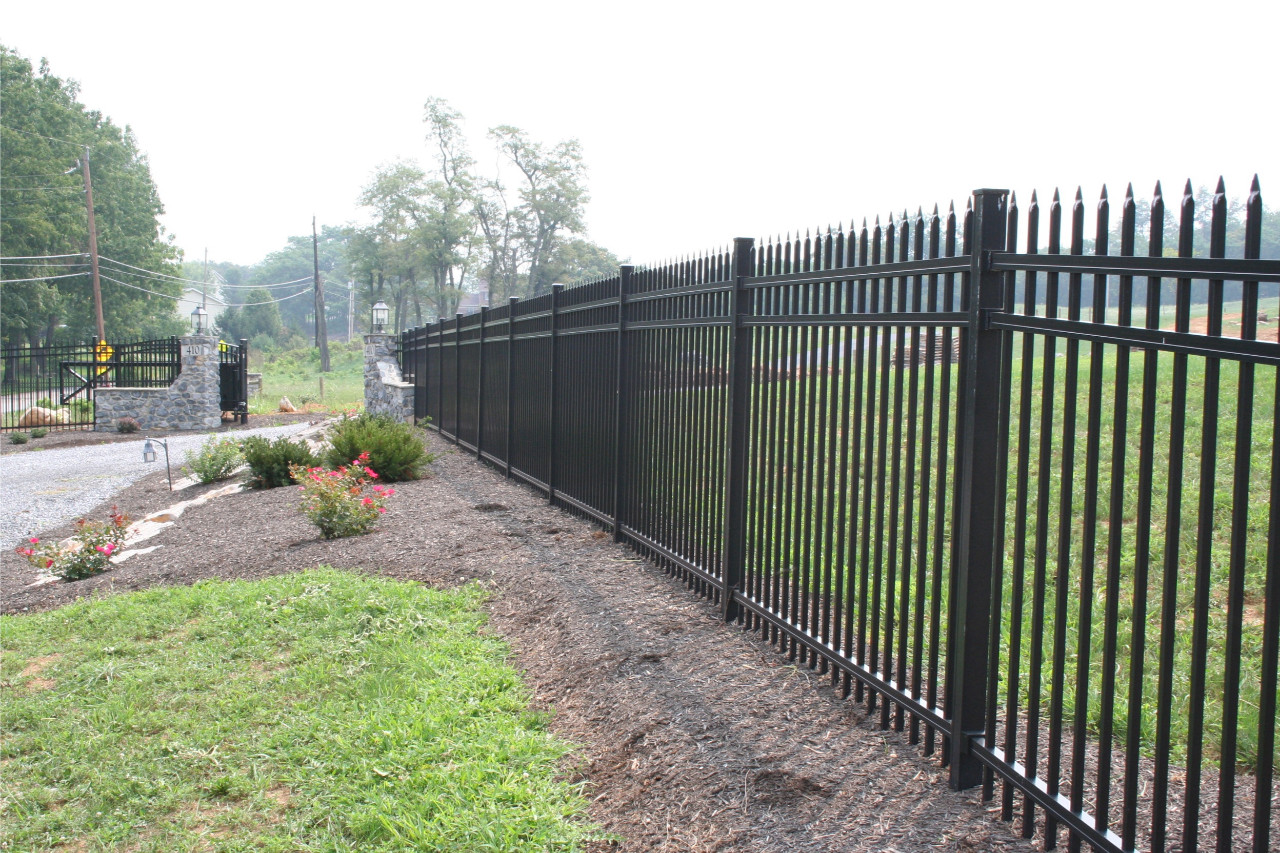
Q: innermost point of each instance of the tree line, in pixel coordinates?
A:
(47, 285)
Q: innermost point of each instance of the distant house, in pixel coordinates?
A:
(206, 296)
(192, 296)
(471, 303)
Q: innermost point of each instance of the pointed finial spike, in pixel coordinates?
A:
(1013, 197)
(1187, 189)
(1222, 188)
(1034, 200)
(1254, 187)
(1103, 197)
(935, 208)
(1128, 192)
(1159, 193)
(951, 208)
(1079, 195)
(1057, 196)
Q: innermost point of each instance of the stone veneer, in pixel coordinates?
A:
(385, 391)
(193, 401)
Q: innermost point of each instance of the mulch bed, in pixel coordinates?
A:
(693, 736)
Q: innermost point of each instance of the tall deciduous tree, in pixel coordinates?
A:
(43, 136)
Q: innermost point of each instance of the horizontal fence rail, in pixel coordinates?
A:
(1017, 496)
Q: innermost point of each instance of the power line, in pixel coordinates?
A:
(42, 189)
(135, 287)
(272, 301)
(40, 278)
(42, 136)
(44, 257)
(49, 175)
(194, 281)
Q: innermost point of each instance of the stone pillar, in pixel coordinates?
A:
(385, 391)
(193, 401)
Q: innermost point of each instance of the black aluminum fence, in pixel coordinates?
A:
(64, 378)
(1022, 504)
(233, 379)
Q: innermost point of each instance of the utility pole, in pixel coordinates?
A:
(93, 245)
(322, 333)
(351, 311)
(204, 290)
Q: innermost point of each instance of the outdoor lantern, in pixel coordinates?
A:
(149, 455)
(380, 312)
(199, 321)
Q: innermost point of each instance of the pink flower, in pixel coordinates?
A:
(48, 563)
(367, 501)
(382, 509)
(388, 493)
(363, 456)
(35, 541)
(371, 473)
(106, 549)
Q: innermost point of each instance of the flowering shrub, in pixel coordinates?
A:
(127, 425)
(342, 502)
(88, 553)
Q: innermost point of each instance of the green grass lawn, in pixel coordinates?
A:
(296, 374)
(316, 711)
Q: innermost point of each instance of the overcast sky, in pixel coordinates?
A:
(700, 122)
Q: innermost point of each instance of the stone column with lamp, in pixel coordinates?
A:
(385, 391)
(192, 401)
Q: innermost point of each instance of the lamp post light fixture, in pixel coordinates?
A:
(380, 313)
(149, 455)
(199, 321)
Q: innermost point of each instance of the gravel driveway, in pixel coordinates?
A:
(49, 488)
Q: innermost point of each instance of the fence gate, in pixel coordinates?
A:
(233, 375)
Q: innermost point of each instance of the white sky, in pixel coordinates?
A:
(699, 121)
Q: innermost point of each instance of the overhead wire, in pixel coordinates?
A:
(44, 257)
(103, 258)
(42, 277)
(50, 138)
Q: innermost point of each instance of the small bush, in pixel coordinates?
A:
(39, 432)
(337, 501)
(89, 552)
(394, 449)
(46, 403)
(82, 409)
(215, 460)
(18, 438)
(127, 425)
(271, 461)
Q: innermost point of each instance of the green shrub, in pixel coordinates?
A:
(46, 403)
(18, 438)
(127, 425)
(215, 460)
(270, 461)
(395, 449)
(82, 409)
(39, 432)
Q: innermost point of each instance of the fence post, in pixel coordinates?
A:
(551, 438)
(484, 315)
(976, 495)
(620, 403)
(511, 353)
(457, 377)
(440, 373)
(735, 495)
(244, 380)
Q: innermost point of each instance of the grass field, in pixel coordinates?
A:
(296, 374)
(316, 711)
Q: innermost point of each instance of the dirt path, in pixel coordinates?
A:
(694, 736)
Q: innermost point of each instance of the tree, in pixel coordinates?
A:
(43, 136)
(448, 226)
(552, 195)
